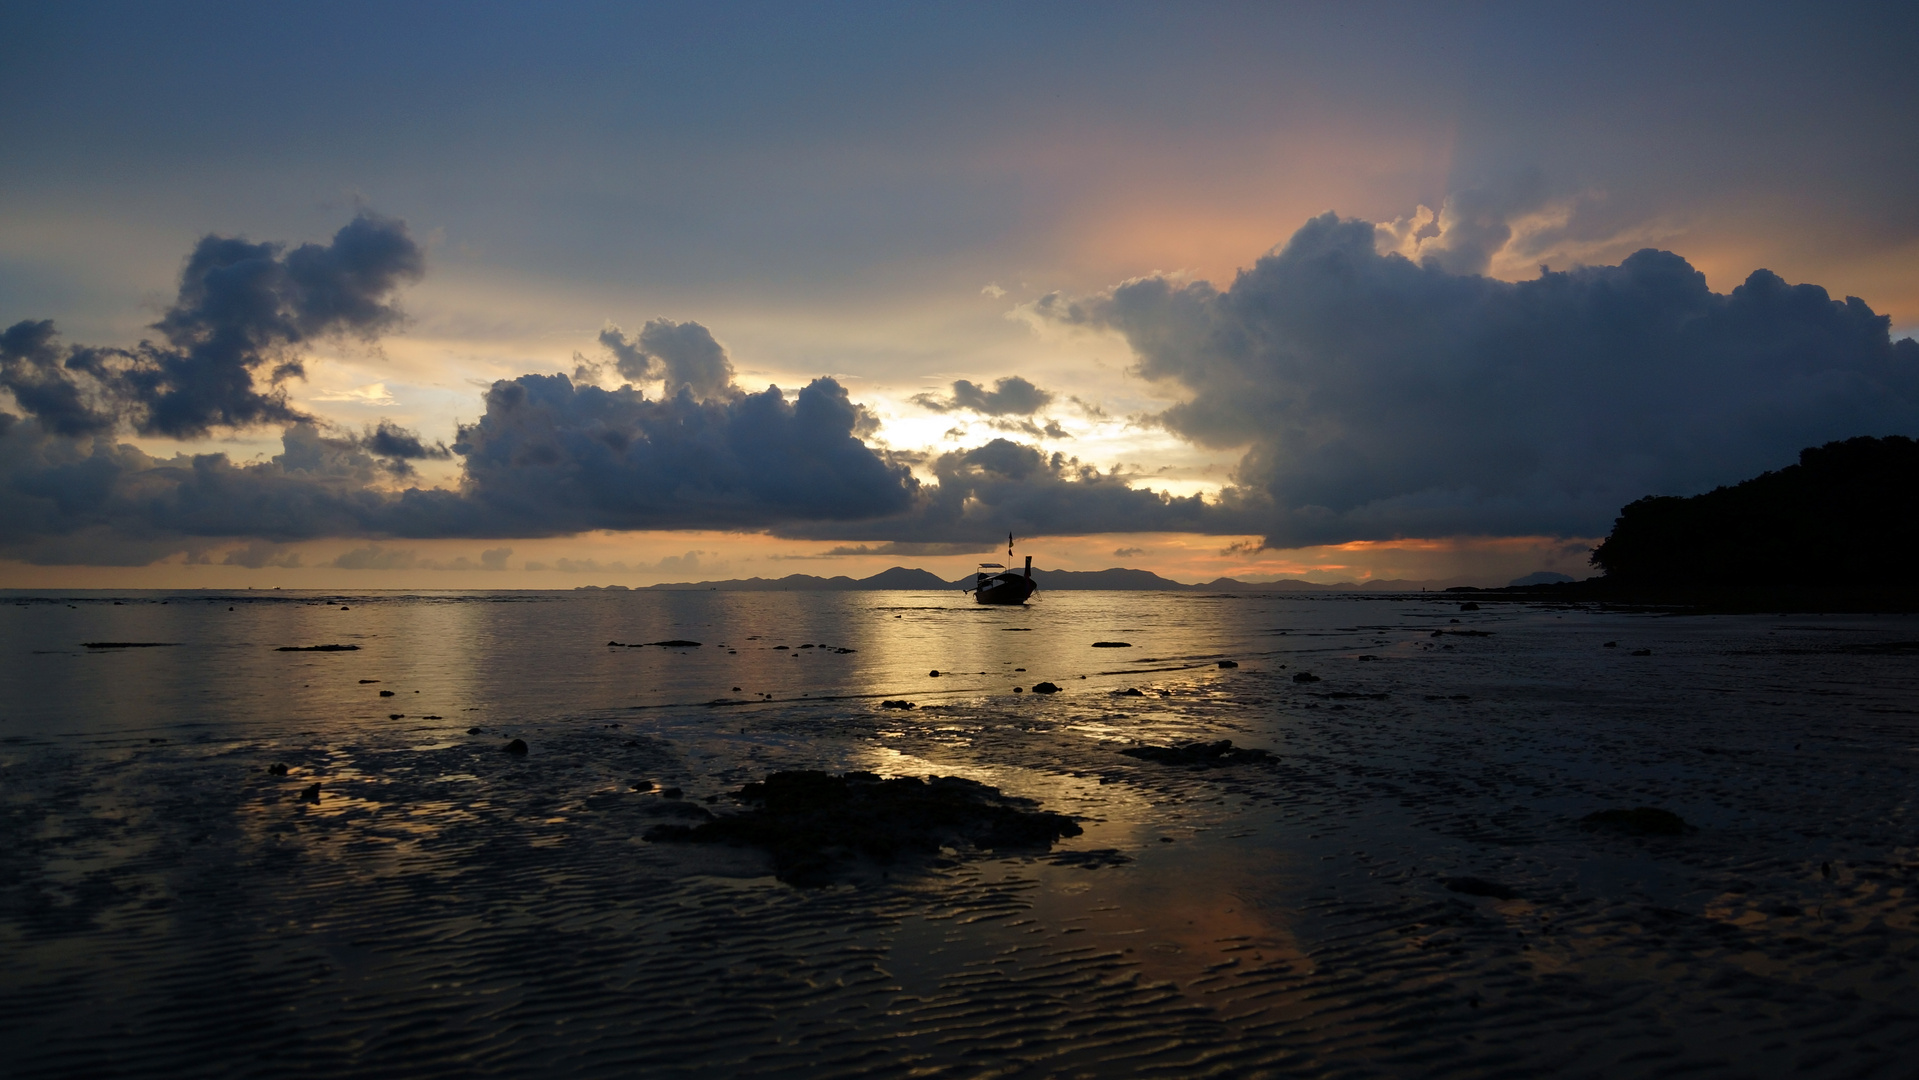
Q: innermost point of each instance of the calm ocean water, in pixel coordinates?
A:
(410, 901)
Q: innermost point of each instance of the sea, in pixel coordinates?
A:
(279, 833)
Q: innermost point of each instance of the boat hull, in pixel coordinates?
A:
(1004, 589)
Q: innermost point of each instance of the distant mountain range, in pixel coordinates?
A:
(1116, 578)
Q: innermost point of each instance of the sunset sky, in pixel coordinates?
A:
(451, 296)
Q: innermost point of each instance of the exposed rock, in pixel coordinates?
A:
(676, 643)
(1473, 886)
(1200, 755)
(1131, 691)
(1642, 652)
(277, 769)
(1306, 677)
(933, 674)
(1639, 821)
(812, 823)
(671, 793)
(517, 748)
(472, 731)
(1610, 645)
(1469, 606)
(894, 703)
(1045, 688)
(386, 693)
(363, 682)
(136, 645)
(1112, 644)
(1229, 663)
(318, 648)
(396, 716)
(311, 794)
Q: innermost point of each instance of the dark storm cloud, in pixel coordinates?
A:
(683, 354)
(985, 492)
(398, 447)
(554, 457)
(1380, 398)
(243, 312)
(1011, 396)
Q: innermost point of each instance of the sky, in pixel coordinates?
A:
(536, 296)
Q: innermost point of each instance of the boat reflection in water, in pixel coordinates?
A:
(1004, 586)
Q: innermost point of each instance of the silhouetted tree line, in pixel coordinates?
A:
(1846, 515)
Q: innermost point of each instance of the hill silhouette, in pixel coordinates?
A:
(1845, 516)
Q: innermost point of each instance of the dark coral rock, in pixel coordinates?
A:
(277, 769)
(676, 643)
(813, 823)
(895, 703)
(1305, 677)
(1229, 663)
(1112, 644)
(517, 748)
(386, 693)
(1473, 886)
(1200, 755)
(1639, 821)
(1045, 688)
(318, 648)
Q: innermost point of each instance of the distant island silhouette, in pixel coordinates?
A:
(1114, 578)
(1839, 530)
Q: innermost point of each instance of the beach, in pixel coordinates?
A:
(1413, 885)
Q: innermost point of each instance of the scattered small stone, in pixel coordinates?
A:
(1045, 688)
(894, 703)
(1642, 652)
(933, 674)
(321, 648)
(1473, 886)
(615, 645)
(473, 731)
(1131, 691)
(432, 717)
(1639, 821)
(396, 716)
(363, 682)
(343, 607)
(671, 793)
(676, 643)
(1610, 645)
(1469, 606)
(778, 648)
(642, 785)
(1368, 656)
(1306, 677)
(517, 748)
(1825, 870)
(1019, 669)
(277, 769)
(1112, 644)
(311, 794)
(1200, 755)
(1229, 663)
(736, 689)
(386, 693)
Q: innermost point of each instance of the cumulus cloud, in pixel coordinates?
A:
(683, 354)
(242, 314)
(984, 492)
(552, 457)
(1011, 396)
(1380, 397)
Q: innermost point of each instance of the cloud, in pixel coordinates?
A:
(375, 557)
(1377, 397)
(1127, 552)
(984, 492)
(683, 354)
(242, 311)
(1011, 396)
(261, 553)
(551, 457)
(494, 558)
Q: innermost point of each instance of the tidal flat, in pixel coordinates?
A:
(1412, 881)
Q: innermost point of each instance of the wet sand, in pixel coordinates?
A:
(168, 907)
